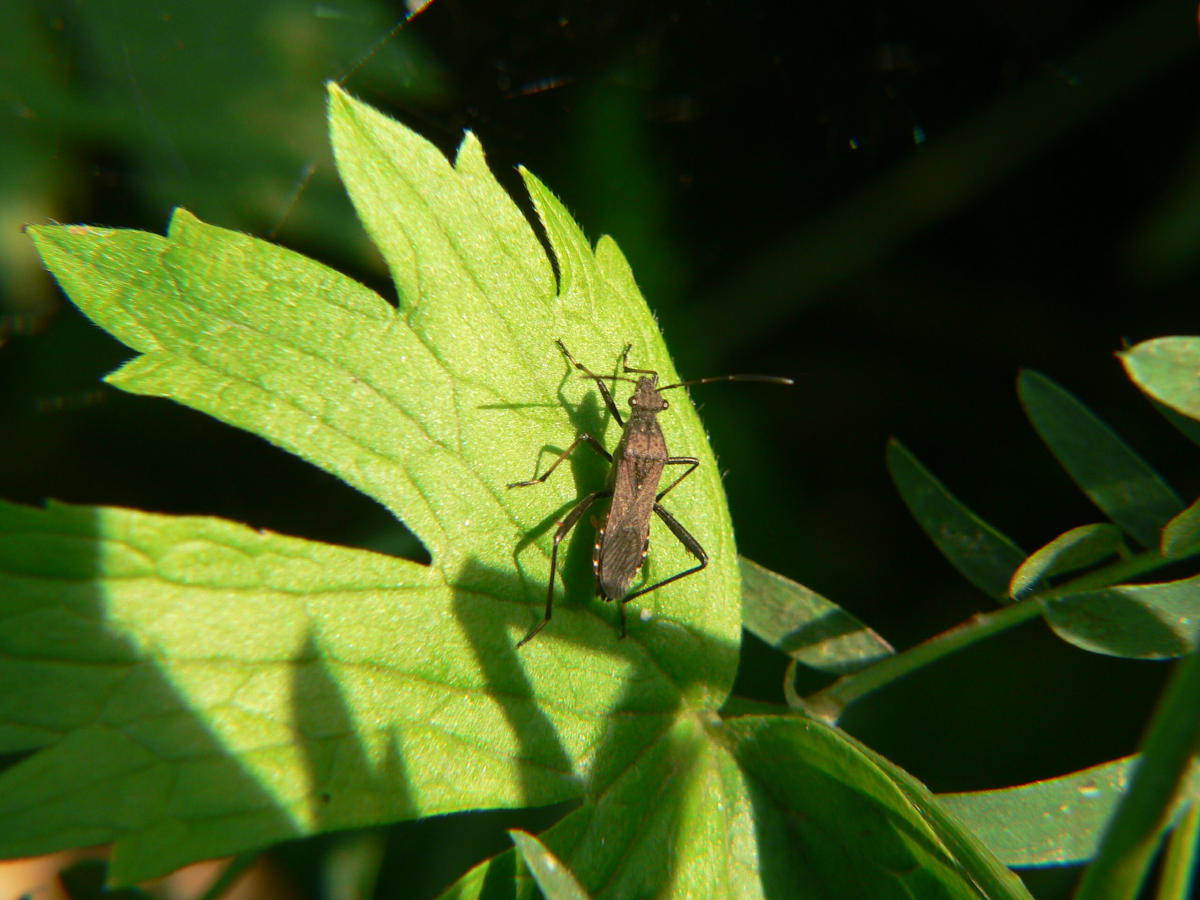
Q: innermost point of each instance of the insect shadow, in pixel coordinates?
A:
(589, 472)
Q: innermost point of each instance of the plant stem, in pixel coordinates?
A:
(829, 703)
(1182, 859)
(1136, 828)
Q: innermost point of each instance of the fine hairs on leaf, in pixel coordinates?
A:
(193, 687)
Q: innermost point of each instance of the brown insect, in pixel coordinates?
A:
(637, 465)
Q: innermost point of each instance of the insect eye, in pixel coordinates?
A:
(633, 401)
(666, 405)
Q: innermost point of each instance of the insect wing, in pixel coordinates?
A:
(620, 553)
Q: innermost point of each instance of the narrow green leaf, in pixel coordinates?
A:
(553, 878)
(1168, 370)
(804, 625)
(1181, 862)
(1181, 537)
(983, 555)
(1117, 480)
(1057, 821)
(501, 877)
(1075, 549)
(1137, 621)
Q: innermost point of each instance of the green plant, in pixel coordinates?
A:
(1082, 584)
(193, 687)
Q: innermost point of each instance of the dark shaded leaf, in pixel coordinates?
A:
(1138, 621)
(833, 821)
(1051, 822)
(1116, 479)
(985, 556)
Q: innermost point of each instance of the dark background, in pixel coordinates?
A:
(901, 204)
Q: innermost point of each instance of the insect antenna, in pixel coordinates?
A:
(765, 379)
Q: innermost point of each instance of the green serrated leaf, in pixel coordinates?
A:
(1181, 536)
(495, 327)
(1168, 370)
(1056, 821)
(1070, 551)
(213, 687)
(776, 806)
(674, 823)
(553, 878)
(1137, 621)
(835, 821)
(692, 838)
(199, 688)
(991, 877)
(984, 556)
(804, 625)
(1116, 479)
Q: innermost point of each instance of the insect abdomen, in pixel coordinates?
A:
(617, 559)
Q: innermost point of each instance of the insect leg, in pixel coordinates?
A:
(628, 368)
(690, 543)
(596, 445)
(599, 379)
(691, 462)
(568, 523)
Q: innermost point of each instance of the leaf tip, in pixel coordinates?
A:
(895, 451)
(334, 90)
(341, 103)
